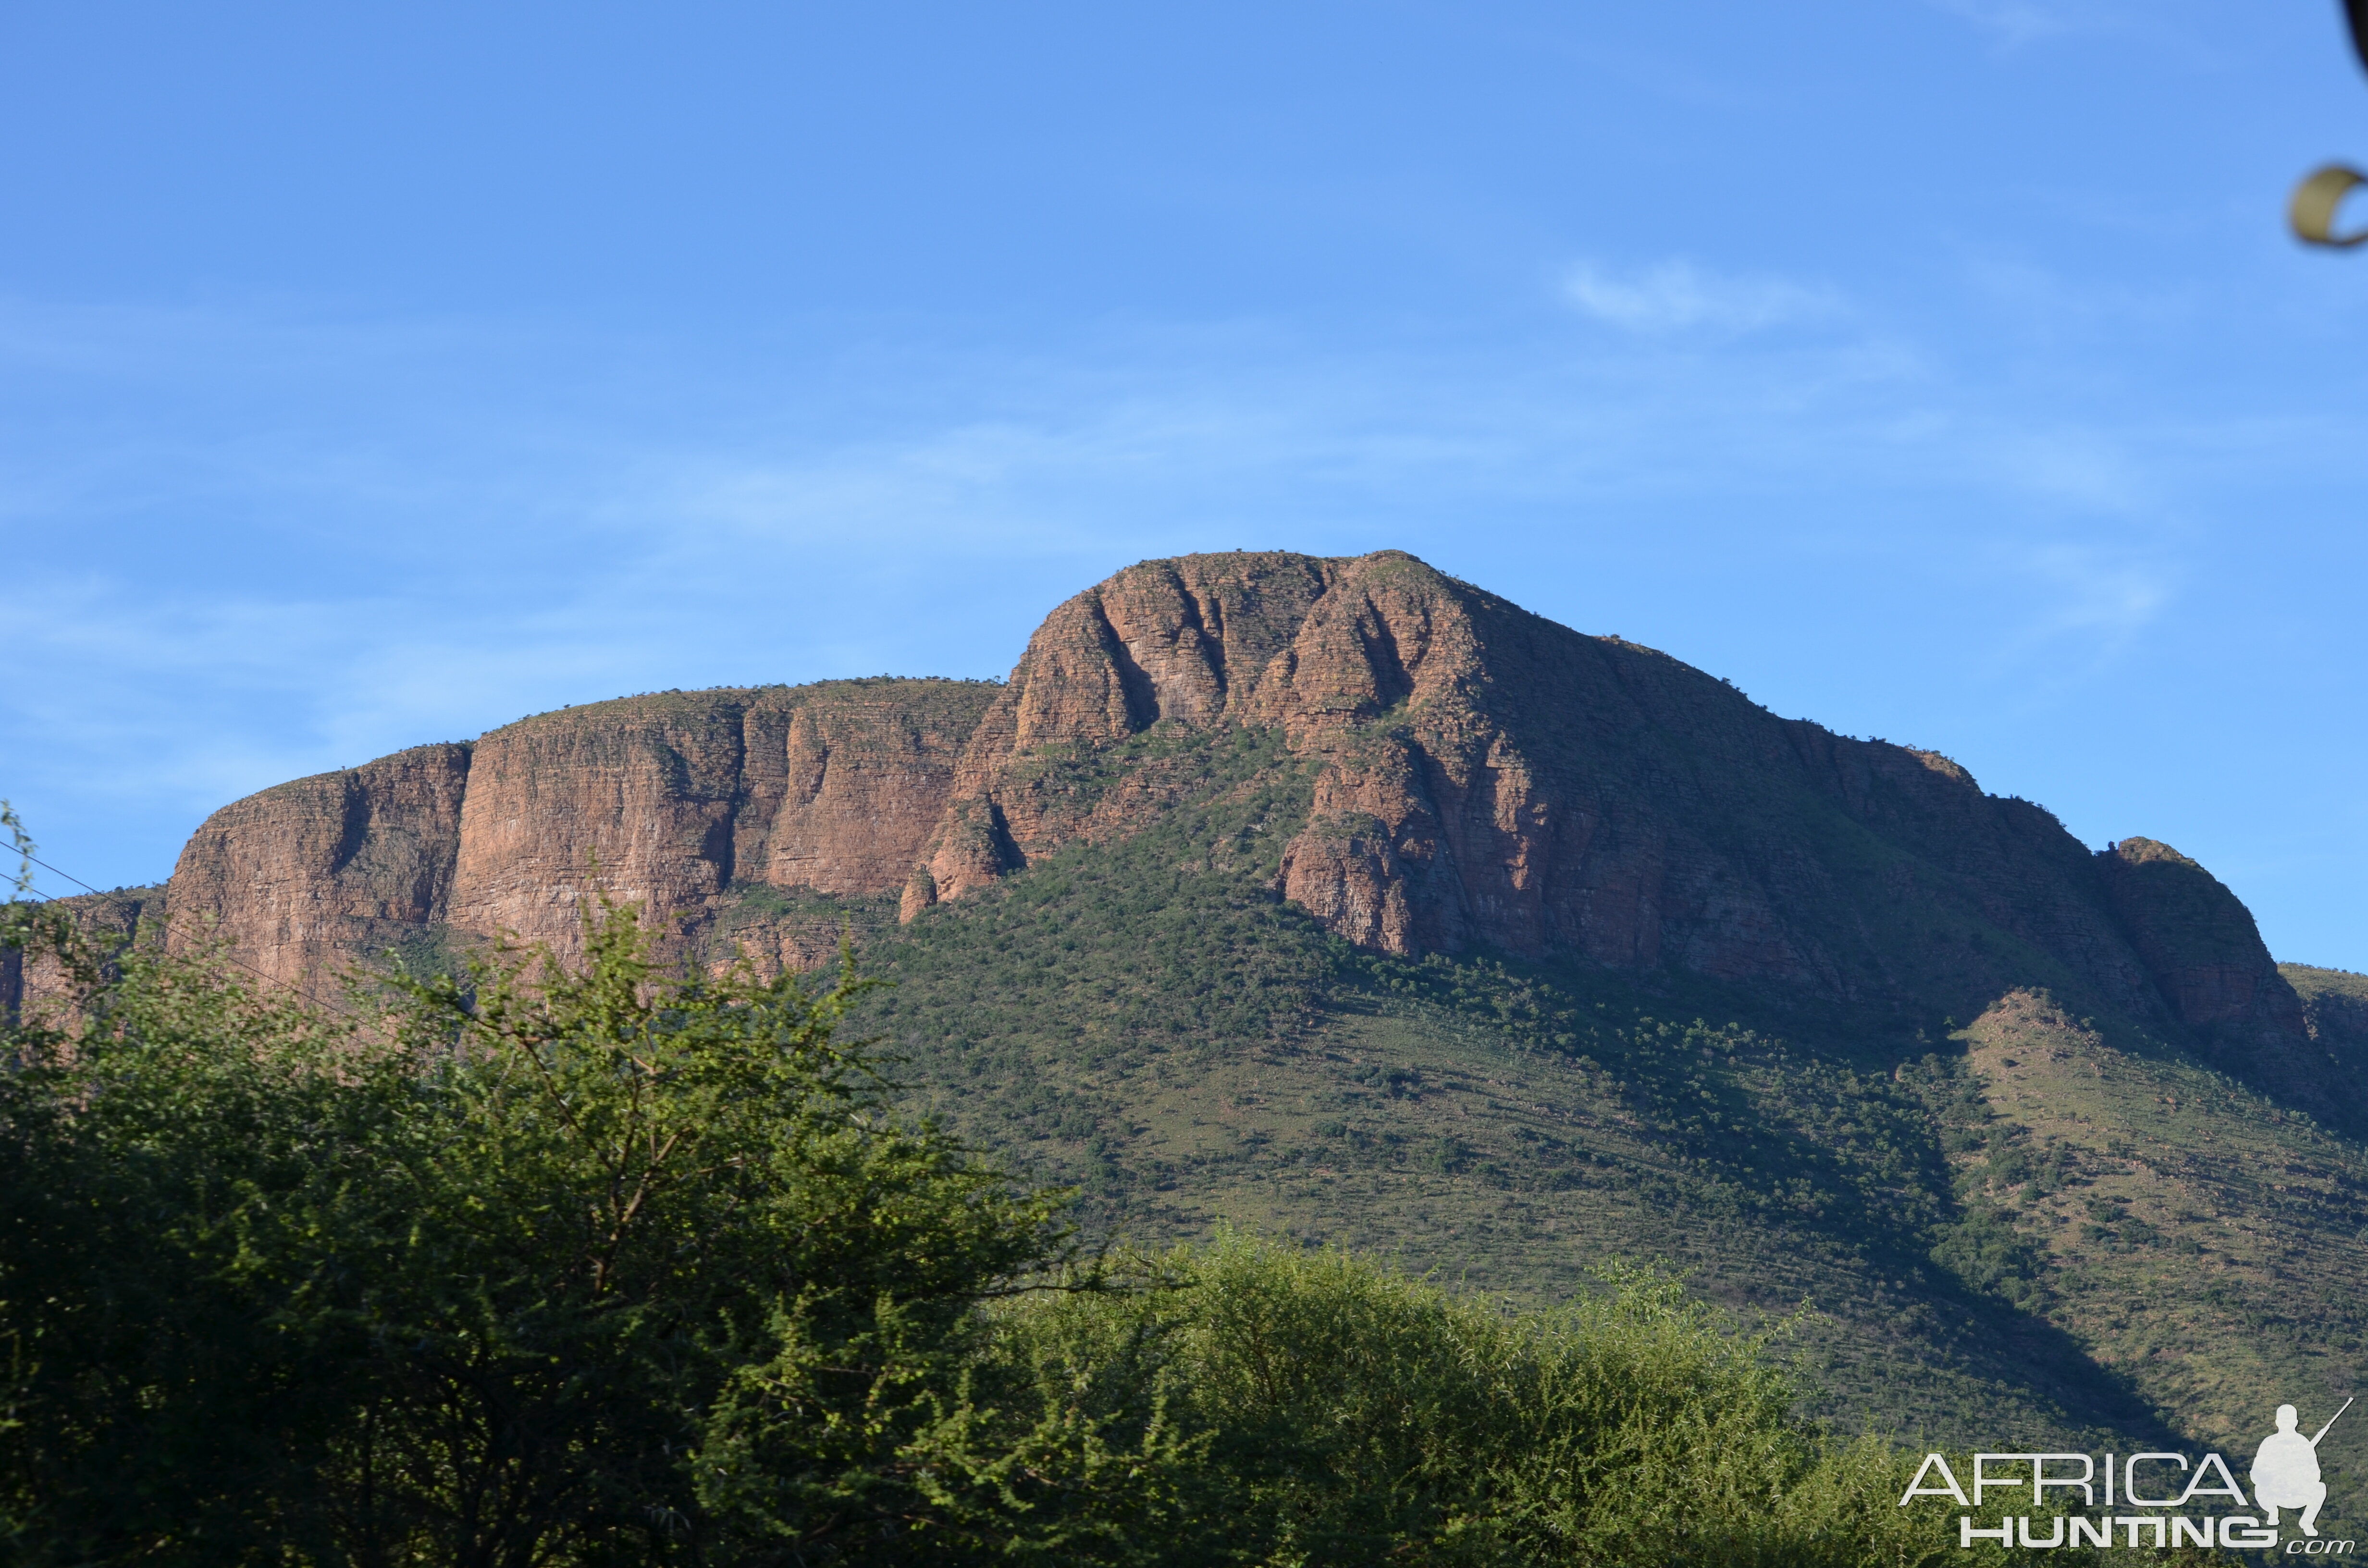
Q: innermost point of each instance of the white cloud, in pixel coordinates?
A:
(2096, 476)
(2070, 610)
(2101, 594)
(1677, 296)
(2013, 23)
(283, 591)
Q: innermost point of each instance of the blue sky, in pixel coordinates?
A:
(1936, 370)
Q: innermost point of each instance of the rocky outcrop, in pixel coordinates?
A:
(1489, 779)
(36, 989)
(865, 776)
(1185, 642)
(2200, 943)
(639, 797)
(664, 801)
(328, 870)
(1483, 778)
(2334, 1006)
(1455, 803)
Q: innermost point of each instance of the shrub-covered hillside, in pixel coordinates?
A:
(579, 1264)
(1985, 1256)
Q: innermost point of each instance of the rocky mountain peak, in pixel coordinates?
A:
(1478, 777)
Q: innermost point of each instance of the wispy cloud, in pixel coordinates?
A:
(2010, 21)
(312, 591)
(2070, 608)
(1677, 296)
(2094, 592)
(2013, 23)
(2078, 470)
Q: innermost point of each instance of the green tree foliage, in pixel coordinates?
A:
(589, 1265)
(1340, 1413)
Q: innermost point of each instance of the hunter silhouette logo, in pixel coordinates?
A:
(2171, 1498)
(2285, 1470)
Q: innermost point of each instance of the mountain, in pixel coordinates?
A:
(1350, 900)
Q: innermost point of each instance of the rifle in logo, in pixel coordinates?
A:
(2285, 1470)
(2154, 1508)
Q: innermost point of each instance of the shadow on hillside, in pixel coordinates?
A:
(1814, 1139)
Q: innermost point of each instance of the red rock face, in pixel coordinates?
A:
(638, 797)
(1455, 805)
(863, 782)
(831, 788)
(36, 989)
(324, 871)
(663, 801)
(1188, 639)
(1485, 779)
(1489, 779)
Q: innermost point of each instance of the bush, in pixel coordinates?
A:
(576, 1266)
(1311, 1408)
(595, 1266)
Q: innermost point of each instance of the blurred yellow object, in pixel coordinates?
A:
(2314, 203)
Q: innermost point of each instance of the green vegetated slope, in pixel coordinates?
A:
(2031, 1227)
(2199, 1239)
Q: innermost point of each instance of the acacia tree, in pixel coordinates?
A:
(588, 1263)
(580, 1263)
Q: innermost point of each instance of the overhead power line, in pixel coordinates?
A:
(165, 919)
(866, 923)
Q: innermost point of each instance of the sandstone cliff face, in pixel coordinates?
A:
(36, 989)
(831, 786)
(639, 796)
(1484, 779)
(1490, 778)
(1187, 640)
(327, 871)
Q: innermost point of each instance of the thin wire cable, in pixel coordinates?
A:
(872, 924)
(165, 919)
